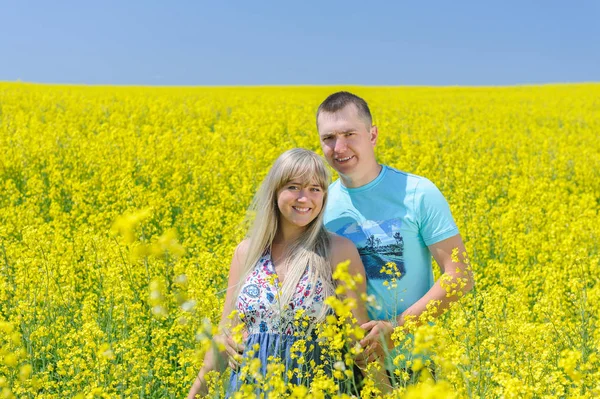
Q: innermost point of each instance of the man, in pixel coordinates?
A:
(391, 216)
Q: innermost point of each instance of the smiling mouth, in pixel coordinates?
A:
(343, 160)
(301, 210)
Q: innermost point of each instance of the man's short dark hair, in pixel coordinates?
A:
(337, 101)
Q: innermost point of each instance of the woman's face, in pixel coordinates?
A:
(299, 202)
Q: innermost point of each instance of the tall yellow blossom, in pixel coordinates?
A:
(121, 208)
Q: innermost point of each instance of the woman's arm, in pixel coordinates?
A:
(342, 249)
(211, 359)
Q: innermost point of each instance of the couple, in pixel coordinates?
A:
(377, 215)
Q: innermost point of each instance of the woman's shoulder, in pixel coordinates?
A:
(243, 246)
(241, 250)
(340, 244)
(343, 249)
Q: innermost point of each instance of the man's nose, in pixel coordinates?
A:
(340, 145)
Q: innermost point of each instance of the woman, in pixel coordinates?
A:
(285, 265)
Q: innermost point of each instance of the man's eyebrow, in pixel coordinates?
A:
(338, 132)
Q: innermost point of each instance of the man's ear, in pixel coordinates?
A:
(373, 134)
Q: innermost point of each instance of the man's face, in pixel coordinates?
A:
(347, 141)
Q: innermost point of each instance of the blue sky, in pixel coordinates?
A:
(300, 43)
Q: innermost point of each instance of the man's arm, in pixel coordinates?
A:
(455, 281)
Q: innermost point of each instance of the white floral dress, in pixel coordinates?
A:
(274, 327)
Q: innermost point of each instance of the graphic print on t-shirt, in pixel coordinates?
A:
(378, 243)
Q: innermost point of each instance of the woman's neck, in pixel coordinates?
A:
(286, 235)
(285, 241)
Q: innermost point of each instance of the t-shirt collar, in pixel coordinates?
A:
(367, 186)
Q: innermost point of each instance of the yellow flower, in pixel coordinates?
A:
(121, 209)
(25, 372)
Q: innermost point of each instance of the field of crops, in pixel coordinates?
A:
(120, 209)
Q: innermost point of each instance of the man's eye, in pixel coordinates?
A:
(326, 138)
(316, 189)
(292, 187)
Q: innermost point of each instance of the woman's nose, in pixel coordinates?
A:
(302, 195)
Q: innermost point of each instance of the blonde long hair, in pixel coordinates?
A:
(311, 248)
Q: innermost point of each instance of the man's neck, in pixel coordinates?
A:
(359, 180)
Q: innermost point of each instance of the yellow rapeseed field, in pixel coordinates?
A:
(120, 209)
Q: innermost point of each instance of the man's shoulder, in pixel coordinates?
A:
(334, 188)
(408, 179)
(335, 185)
(397, 172)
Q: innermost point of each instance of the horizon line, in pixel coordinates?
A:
(152, 86)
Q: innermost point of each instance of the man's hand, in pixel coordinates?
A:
(379, 333)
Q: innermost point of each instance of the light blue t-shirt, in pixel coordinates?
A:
(392, 219)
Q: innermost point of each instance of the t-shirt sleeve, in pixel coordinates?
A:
(435, 219)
